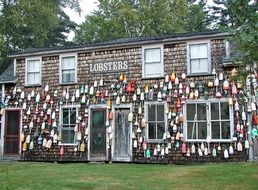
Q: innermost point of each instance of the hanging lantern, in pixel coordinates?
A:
(129, 88)
(166, 78)
(234, 88)
(183, 148)
(183, 76)
(221, 76)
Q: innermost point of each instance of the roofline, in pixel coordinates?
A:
(8, 82)
(123, 44)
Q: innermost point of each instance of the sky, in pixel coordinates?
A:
(87, 7)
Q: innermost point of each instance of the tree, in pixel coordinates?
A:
(239, 17)
(127, 18)
(33, 24)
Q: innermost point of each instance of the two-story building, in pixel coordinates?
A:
(162, 99)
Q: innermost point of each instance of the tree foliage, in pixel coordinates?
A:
(33, 24)
(127, 18)
(240, 17)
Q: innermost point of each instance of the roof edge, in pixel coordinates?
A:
(107, 45)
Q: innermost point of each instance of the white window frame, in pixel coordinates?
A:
(26, 70)
(61, 121)
(161, 46)
(60, 67)
(208, 113)
(146, 104)
(189, 57)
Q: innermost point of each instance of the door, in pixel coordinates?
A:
(122, 132)
(12, 132)
(98, 135)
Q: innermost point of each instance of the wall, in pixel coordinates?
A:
(175, 59)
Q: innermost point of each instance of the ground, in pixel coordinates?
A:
(37, 176)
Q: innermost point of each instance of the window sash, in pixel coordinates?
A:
(209, 123)
(33, 72)
(155, 121)
(153, 62)
(66, 136)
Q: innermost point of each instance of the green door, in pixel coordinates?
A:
(98, 135)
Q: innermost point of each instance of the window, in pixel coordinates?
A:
(208, 118)
(68, 69)
(199, 58)
(153, 62)
(68, 122)
(156, 120)
(33, 72)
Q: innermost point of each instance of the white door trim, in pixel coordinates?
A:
(113, 158)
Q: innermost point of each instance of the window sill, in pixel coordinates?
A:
(199, 74)
(154, 141)
(212, 141)
(32, 85)
(67, 144)
(68, 83)
(150, 78)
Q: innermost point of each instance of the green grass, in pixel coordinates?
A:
(37, 176)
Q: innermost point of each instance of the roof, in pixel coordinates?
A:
(8, 75)
(132, 41)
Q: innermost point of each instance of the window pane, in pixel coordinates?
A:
(191, 131)
(68, 62)
(201, 112)
(190, 111)
(203, 50)
(215, 130)
(160, 112)
(36, 78)
(214, 111)
(30, 78)
(225, 129)
(160, 130)
(73, 116)
(152, 55)
(152, 131)
(33, 66)
(194, 53)
(68, 135)
(224, 110)
(65, 116)
(152, 69)
(151, 113)
(195, 66)
(203, 66)
(202, 130)
(68, 76)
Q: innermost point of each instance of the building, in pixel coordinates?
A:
(162, 99)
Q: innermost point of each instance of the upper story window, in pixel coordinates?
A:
(198, 55)
(156, 120)
(33, 72)
(153, 62)
(208, 118)
(68, 122)
(68, 68)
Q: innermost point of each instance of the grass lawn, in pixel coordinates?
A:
(37, 176)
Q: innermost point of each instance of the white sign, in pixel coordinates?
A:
(112, 66)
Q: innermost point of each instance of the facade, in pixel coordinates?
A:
(164, 99)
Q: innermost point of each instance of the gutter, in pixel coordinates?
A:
(121, 45)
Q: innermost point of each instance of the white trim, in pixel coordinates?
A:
(164, 103)
(77, 106)
(168, 40)
(26, 70)
(208, 113)
(92, 107)
(196, 42)
(113, 158)
(75, 55)
(14, 67)
(153, 46)
(3, 130)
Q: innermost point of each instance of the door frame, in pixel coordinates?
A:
(3, 131)
(113, 158)
(95, 107)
